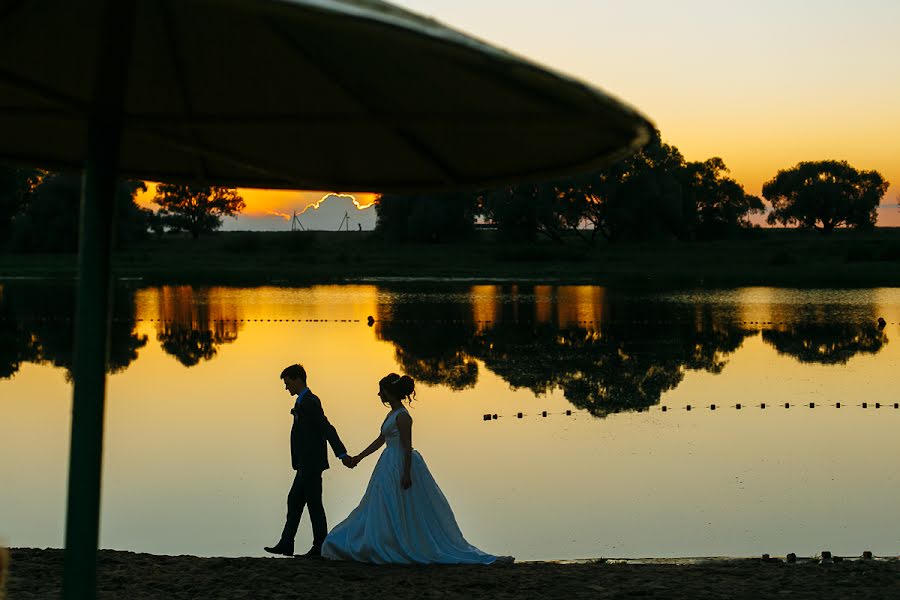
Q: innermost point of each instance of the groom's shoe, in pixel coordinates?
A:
(314, 552)
(280, 548)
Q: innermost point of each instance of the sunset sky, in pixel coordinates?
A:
(763, 84)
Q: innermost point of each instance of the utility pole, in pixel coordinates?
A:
(345, 222)
(296, 225)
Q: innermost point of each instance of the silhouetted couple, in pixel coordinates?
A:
(403, 516)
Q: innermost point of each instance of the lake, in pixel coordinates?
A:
(196, 449)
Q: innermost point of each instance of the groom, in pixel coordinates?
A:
(309, 458)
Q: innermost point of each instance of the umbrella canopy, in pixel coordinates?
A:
(317, 94)
(354, 95)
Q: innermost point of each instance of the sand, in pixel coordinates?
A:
(38, 574)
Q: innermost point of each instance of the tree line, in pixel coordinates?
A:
(653, 194)
(39, 210)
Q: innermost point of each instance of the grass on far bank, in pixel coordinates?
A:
(776, 257)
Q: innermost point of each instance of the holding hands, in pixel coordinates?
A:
(351, 461)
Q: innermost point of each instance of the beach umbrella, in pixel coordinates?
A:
(350, 95)
(342, 95)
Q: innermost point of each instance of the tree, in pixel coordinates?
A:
(425, 217)
(523, 211)
(48, 221)
(719, 205)
(16, 187)
(196, 209)
(824, 195)
(640, 197)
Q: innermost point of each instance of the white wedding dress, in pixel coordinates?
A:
(396, 526)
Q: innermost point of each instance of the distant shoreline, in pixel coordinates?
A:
(38, 573)
(780, 258)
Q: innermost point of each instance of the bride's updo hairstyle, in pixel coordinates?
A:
(402, 387)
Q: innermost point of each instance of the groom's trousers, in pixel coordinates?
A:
(305, 491)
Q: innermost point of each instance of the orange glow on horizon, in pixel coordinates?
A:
(277, 203)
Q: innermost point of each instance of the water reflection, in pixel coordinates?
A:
(625, 362)
(192, 323)
(605, 351)
(431, 339)
(826, 343)
(37, 326)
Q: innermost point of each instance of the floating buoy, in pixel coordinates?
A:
(370, 320)
(688, 407)
(568, 412)
(812, 404)
(763, 405)
(544, 413)
(664, 409)
(867, 555)
(838, 405)
(487, 417)
(519, 415)
(791, 558)
(494, 416)
(712, 407)
(865, 405)
(787, 404)
(738, 406)
(878, 405)
(826, 557)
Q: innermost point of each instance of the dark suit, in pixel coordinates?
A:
(309, 458)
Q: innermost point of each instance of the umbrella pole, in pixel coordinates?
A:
(94, 302)
(93, 307)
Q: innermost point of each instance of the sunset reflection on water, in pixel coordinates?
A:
(196, 455)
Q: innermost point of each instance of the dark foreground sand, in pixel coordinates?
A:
(38, 574)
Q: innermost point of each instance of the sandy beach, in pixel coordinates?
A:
(38, 574)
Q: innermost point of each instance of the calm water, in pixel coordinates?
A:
(197, 460)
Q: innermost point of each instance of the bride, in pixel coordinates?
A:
(403, 516)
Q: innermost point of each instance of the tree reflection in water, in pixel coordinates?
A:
(16, 341)
(625, 362)
(619, 355)
(192, 324)
(826, 343)
(37, 326)
(430, 339)
(605, 352)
